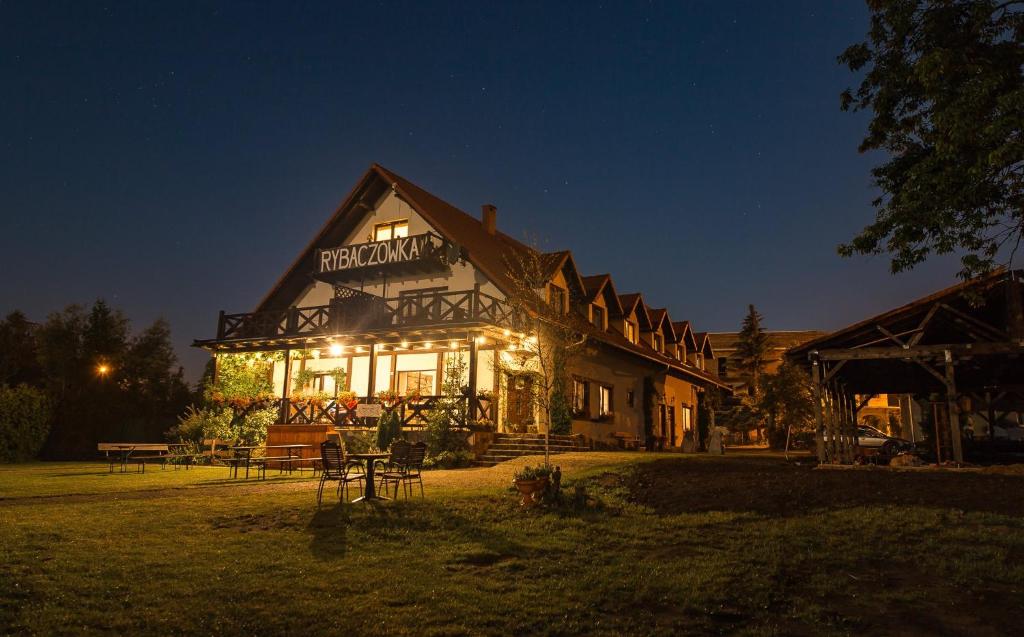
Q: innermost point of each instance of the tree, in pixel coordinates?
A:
(752, 349)
(787, 403)
(557, 335)
(18, 358)
(943, 79)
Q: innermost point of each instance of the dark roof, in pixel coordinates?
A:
(491, 253)
(977, 326)
(904, 315)
(779, 340)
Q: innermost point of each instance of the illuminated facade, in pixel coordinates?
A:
(398, 284)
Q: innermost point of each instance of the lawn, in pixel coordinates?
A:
(647, 544)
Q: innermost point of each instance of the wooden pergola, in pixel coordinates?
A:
(963, 345)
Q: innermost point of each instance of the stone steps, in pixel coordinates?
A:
(509, 446)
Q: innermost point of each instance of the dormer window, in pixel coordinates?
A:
(629, 331)
(556, 297)
(597, 313)
(658, 343)
(391, 230)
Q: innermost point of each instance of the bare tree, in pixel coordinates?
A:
(556, 333)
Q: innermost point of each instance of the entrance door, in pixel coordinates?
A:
(518, 403)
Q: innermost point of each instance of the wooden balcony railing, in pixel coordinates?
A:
(413, 413)
(361, 312)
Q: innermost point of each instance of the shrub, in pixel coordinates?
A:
(449, 460)
(532, 473)
(25, 418)
(389, 427)
(221, 423)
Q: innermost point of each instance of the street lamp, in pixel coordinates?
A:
(103, 369)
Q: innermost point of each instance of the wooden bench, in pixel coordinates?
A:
(626, 440)
(123, 453)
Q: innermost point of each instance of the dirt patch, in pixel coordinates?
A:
(771, 486)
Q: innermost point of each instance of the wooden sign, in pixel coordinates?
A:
(375, 254)
(368, 411)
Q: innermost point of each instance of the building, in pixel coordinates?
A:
(728, 368)
(397, 283)
(956, 356)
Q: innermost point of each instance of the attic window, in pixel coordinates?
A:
(658, 342)
(598, 313)
(391, 230)
(629, 332)
(557, 298)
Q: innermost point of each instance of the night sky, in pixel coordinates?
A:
(175, 159)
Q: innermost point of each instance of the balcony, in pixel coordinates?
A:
(352, 311)
(411, 413)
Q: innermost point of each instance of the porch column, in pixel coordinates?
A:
(372, 380)
(472, 378)
(954, 411)
(285, 382)
(819, 438)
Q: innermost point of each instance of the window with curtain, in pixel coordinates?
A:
(391, 230)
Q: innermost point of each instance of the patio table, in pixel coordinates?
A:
(289, 448)
(126, 449)
(370, 493)
(243, 454)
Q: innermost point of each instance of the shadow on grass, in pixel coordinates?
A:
(474, 524)
(774, 488)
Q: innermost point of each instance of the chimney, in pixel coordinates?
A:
(489, 218)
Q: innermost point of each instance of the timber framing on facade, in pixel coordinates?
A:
(398, 281)
(961, 349)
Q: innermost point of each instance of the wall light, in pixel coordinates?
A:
(336, 349)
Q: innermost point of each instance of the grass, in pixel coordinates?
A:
(651, 544)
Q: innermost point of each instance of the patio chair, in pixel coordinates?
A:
(390, 470)
(407, 472)
(336, 468)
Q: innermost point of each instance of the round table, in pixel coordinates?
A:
(370, 493)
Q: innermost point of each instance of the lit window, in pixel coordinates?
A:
(416, 382)
(604, 401)
(391, 230)
(657, 342)
(556, 296)
(630, 332)
(580, 396)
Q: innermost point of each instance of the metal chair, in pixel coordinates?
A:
(409, 471)
(336, 468)
(392, 469)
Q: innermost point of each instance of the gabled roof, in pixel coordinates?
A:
(704, 344)
(660, 320)
(562, 261)
(905, 319)
(491, 254)
(634, 302)
(685, 334)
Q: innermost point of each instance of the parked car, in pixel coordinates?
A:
(871, 441)
(870, 438)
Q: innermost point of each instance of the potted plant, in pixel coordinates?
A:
(532, 483)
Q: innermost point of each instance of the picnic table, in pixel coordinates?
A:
(370, 493)
(243, 456)
(123, 451)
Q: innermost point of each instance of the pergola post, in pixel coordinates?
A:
(284, 385)
(472, 378)
(371, 382)
(954, 411)
(819, 438)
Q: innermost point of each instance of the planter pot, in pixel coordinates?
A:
(531, 490)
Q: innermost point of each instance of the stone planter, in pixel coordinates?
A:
(531, 490)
